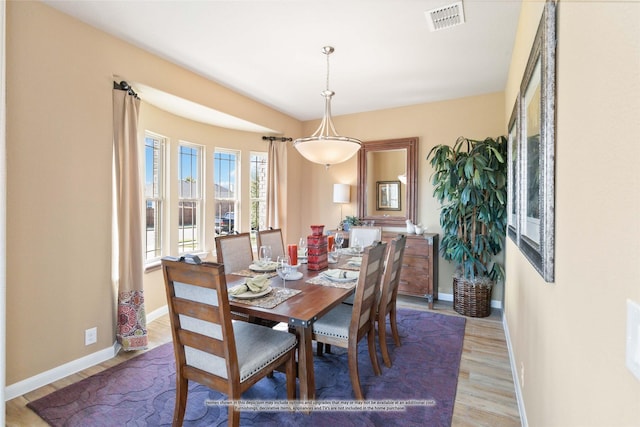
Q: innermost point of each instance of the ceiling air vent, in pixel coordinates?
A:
(445, 16)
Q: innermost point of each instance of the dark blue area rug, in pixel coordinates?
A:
(141, 391)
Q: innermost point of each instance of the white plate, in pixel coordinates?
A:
(263, 268)
(339, 279)
(293, 276)
(252, 295)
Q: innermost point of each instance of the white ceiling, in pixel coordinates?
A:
(385, 56)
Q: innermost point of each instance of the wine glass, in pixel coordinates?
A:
(357, 245)
(265, 254)
(284, 268)
(302, 245)
(339, 240)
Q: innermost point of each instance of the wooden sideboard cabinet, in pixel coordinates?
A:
(419, 275)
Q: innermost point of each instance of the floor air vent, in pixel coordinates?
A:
(445, 16)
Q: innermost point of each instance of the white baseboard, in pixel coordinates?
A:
(514, 373)
(449, 297)
(18, 389)
(157, 313)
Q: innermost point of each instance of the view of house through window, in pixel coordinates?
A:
(258, 191)
(154, 194)
(190, 198)
(225, 183)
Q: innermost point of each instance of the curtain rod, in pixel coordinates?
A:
(275, 138)
(125, 86)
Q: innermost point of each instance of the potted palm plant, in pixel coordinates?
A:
(470, 182)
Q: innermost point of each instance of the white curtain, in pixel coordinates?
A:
(277, 158)
(131, 317)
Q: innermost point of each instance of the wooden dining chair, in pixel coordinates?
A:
(346, 325)
(273, 238)
(389, 294)
(211, 349)
(234, 251)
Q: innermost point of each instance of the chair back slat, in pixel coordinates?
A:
(366, 290)
(272, 238)
(202, 342)
(197, 310)
(391, 277)
(234, 251)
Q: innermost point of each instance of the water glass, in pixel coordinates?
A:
(264, 253)
(357, 245)
(302, 245)
(283, 268)
(339, 240)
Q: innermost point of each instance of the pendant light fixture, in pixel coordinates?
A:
(325, 146)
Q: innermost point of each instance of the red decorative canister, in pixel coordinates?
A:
(317, 249)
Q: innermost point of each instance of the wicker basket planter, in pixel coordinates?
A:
(471, 298)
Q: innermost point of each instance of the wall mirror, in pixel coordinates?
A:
(388, 161)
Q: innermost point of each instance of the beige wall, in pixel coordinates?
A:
(435, 123)
(568, 337)
(59, 139)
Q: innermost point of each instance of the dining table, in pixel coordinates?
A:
(309, 302)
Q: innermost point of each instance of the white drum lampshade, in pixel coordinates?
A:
(341, 193)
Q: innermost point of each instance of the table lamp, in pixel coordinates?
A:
(341, 195)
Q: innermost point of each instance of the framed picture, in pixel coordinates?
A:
(532, 151)
(513, 173)
(388, 195)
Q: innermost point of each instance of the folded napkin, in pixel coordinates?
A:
(266, 265)
(253, 284)
(341, 274)
(356, 260)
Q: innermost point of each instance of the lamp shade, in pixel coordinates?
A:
(341, 193)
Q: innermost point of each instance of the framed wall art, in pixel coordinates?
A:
(388, 195)
(532, 152)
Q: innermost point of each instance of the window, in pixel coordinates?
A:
(258, 191)
(154, 195)
(190, 198)
(225, 183)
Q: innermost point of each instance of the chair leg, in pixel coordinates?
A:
(290, 372)
(394, 326)
(371, 338)
(181, 401)
(234, 414)
(319, 348)
(352, 357)
(382, 334)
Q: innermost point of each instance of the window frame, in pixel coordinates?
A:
(262, 195)
(197, 201)
(233, 201)
(158, 197)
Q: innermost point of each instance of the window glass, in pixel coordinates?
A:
(225, 183)
(258, 191)
(153, 192)
(189, 194)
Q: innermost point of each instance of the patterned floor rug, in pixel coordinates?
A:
(418, 390)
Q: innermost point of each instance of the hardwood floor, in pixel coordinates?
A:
(485, 395)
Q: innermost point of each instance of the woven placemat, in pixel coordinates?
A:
(250, 273)
(273, 298)
(347, 266)
(321, 280)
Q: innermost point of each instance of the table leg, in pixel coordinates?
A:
(305, 363)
